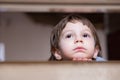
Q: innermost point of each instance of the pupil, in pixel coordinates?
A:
(85, 35)
(69, 36)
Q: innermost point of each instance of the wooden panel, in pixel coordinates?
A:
(57, 8)
(64, 1)
(60, 71)
(59, 5)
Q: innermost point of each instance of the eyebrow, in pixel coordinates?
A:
(83, 30)
(66, 32)
(88, 30)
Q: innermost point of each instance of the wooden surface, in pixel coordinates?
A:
(60, 70)
(63, 1)
(60, 6)
(57, 8)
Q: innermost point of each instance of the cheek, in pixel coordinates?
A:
(90, 44)
(65, 45)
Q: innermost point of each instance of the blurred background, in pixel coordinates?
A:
(25, 26)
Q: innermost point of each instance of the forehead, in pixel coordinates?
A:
(76, 26)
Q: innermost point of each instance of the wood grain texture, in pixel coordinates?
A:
(60, 71)
(63, 1)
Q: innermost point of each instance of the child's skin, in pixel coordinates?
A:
(76, 43)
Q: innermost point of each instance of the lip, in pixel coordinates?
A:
(79, 49)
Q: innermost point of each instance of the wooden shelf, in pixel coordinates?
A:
(59, 6)
(60, 71)
(64, 1)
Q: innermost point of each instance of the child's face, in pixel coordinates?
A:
(77, 41)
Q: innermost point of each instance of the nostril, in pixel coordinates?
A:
(78, 41)
(81, 41)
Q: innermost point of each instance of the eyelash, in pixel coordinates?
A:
(86, 35)
(68, 36)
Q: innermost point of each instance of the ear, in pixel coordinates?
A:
(95, 52)
(57, 55)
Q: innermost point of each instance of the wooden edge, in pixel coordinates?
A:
(63, 1)
(59, 62)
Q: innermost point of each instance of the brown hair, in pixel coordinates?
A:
(56, 32)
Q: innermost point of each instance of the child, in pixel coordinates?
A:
(74, 38)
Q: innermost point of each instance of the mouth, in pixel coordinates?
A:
(79, 49)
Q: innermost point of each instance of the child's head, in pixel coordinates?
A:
(74, 37)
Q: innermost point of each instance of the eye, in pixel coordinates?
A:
(86, 35)
(68, 36)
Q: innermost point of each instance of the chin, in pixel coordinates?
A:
(81, 55)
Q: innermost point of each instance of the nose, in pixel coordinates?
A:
(78, 39)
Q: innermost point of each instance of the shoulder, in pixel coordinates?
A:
(100, 59)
